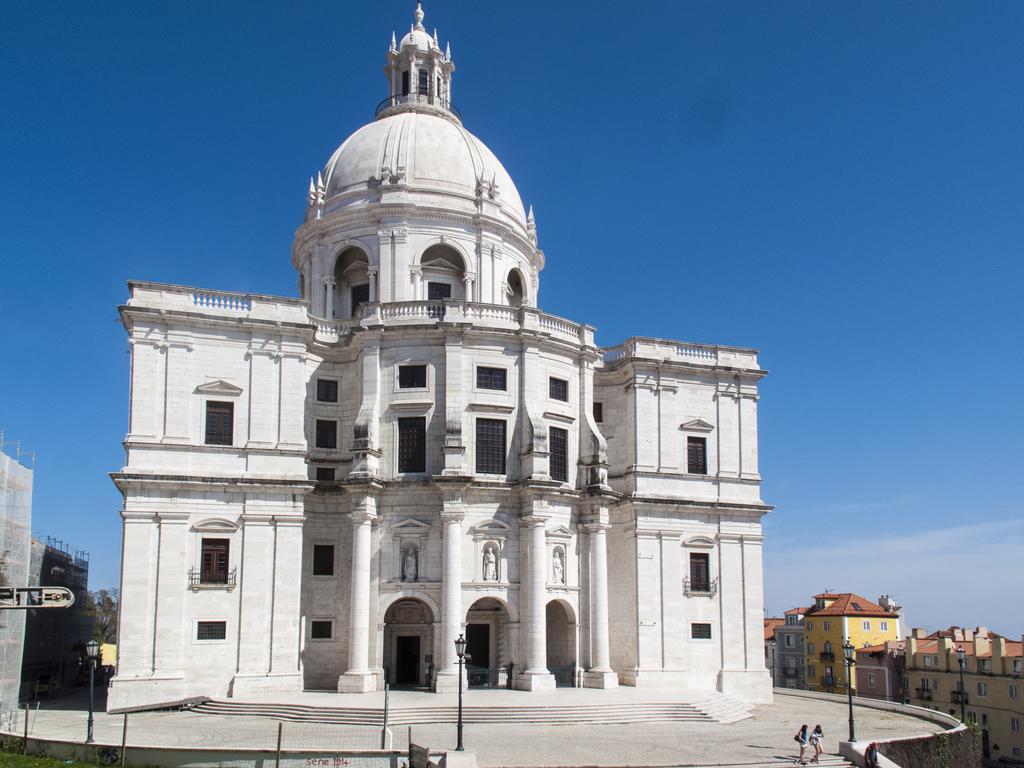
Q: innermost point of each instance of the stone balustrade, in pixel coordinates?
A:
(684, 352)
(250, 306)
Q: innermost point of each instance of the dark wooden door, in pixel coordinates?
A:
(407, 661)
(478, 644)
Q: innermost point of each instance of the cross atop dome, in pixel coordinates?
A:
(419, 73)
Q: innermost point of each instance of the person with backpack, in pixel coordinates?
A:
(801, 739)
(817, 736)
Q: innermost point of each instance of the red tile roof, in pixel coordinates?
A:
(770, 625)
(793, 611)
(849, 604)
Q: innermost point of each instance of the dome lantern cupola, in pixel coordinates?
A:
(419, 74)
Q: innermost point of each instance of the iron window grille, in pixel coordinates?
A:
(559, 453)
(700, 631)
(558, 389)
(490, 446)
(327, 390)
(491, 378)
(412, 377)
(412, 444)
(220, 419)
(325, 474)
(326, 434)
(211, 630)
(706, 588)
(198, 581)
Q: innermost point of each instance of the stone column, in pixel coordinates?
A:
(374, 292)
(532, 594)
(467, 281)
(600, 674)
(359, 678)
(451, 599)
(329, 299)
(416, 274)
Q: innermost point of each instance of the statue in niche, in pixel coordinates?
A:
(490, 564)
(559, 567)
(409, 569)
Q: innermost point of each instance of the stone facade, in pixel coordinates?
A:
(324, 491)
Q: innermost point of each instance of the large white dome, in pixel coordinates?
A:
(428, 153)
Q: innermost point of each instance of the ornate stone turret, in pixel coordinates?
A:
(419, 74)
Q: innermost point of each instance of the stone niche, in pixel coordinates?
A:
(409, 546)
(490, 547)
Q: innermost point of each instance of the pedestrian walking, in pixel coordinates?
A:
(801, 739)
(817, 736)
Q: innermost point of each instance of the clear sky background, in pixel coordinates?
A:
(838, 184)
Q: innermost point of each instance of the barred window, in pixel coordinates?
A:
(558, 389)
(490, 446)
(412, 376)
(558, 457)
(326, 433)
(490, 378)
(700, 631)
(211, 630)
(323, 559)
(327, 390)
(321, 630)
(412, 444)
(697, 455)
(325, 474)
(219, 423)
(438, 291)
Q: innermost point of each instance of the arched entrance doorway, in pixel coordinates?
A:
(487, 644)
(408, 643)
(561, 640)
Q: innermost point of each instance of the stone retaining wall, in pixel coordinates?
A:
(959, 748)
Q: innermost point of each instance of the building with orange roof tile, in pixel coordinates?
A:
(835, 619)
(789, 650)
(770, 653)
(993, 679)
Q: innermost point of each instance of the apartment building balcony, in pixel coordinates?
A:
(958, 697)
(700, 587)
(925, 694)
(791, 673)
(828, 681)
(216, 579)
(827, 656)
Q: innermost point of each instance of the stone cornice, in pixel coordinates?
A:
(725, 506)
(127, 479)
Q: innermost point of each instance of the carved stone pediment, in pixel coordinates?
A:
(491, 529)
(410, 527)
(696, 425)
(561, 533)
(218, 387)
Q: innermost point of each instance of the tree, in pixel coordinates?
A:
(101, 607)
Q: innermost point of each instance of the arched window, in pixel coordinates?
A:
(443, 273)
(516, 293)
(351, 282)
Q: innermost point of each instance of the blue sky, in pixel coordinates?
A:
(838, 184)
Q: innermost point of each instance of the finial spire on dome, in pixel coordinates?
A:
(312, 191)
(394, 42)
(419, 16)
(437, 43)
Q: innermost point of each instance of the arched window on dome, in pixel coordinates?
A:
(351, 282)
(444, 273)
(515, 290)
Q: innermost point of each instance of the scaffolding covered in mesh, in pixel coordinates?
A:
(15, 547)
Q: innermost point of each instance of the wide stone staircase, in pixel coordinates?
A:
(711, 709)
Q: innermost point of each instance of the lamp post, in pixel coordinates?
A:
(92, 652)
(771, 645)
(848, 653)
(961, 659)
(460, 651)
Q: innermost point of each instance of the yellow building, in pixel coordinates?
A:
(993, 683)
(835, 618)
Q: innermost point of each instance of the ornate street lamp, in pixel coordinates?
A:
(961, 659)
(92, 652)
(848, 650)
(460, 651)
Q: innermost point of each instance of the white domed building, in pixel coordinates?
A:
(325, 492)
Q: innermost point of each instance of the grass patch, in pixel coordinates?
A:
(9, 759)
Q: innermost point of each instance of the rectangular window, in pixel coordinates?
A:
(1015, 724)
(982, 689)
(810, 649)
(424, 82)
(490, 446)
(325, 474)
(789, 641)
(700, 572)
(1014, 691)
(1016, 752)
(323, 559)
(559, 456)
(412, 376)
(320, 630)
(871, 679)
(884, 626)
(866, 625)
(1017, 665)
(220, 419)
(700, 631)
(327, 390)
(438, 291)
(213, 564)
(558, 389)
(697, 455)
(405, 83)
(827, 626)
(211, 630)
(360, 294)
(490, 378)
(599, 413)
(326, 433)
(412, 444)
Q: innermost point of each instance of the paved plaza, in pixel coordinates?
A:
(764, 739)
